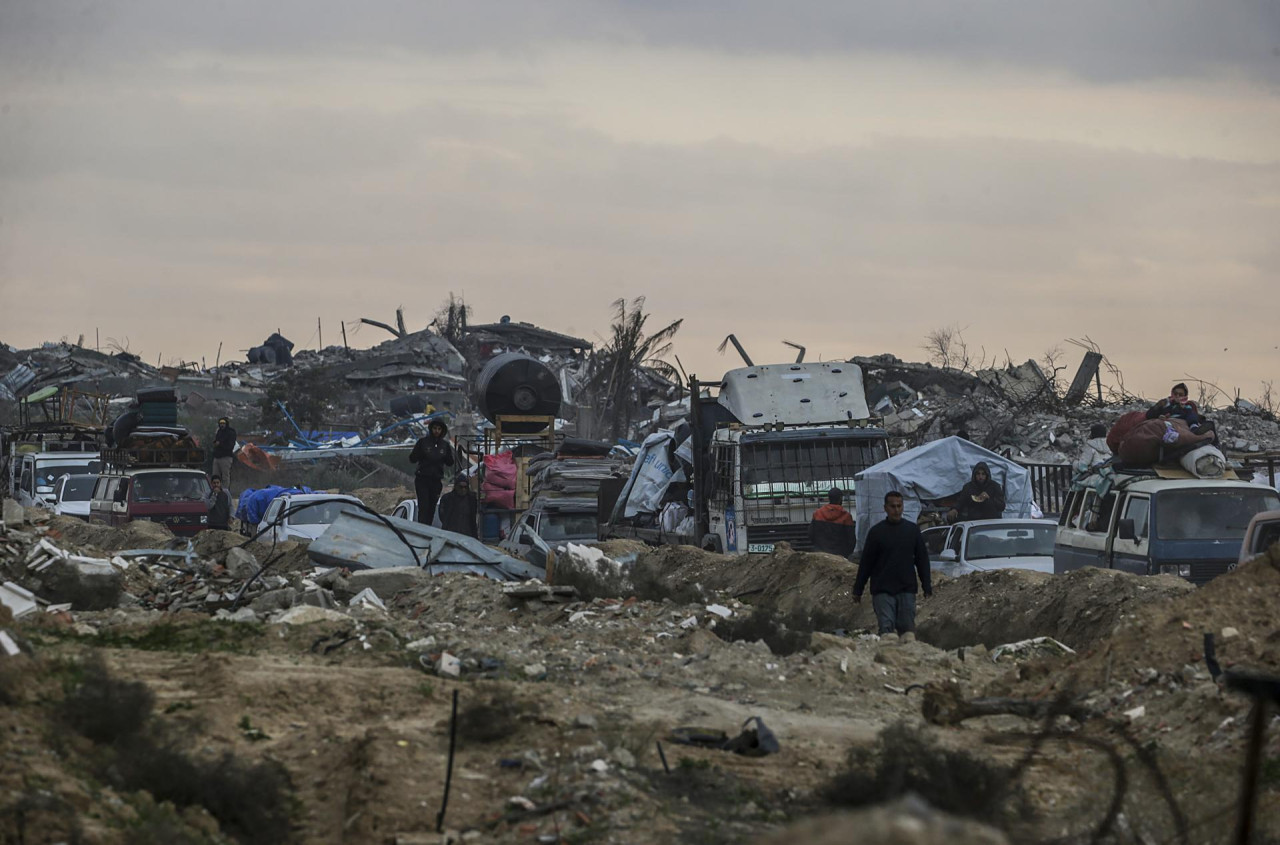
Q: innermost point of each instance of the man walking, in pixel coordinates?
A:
(432, 454)
(224, 446)
(831, 529)
(894, 553)
(219, 503)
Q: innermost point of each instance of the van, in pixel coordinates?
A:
(1149, 525)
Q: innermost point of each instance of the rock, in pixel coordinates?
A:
(319, 597)
(904, 822)
(534, 670)
(275, 600)
(424, 644)
(585, 720)
(1065, 441)
(1230, 633)
(821, 642)
(13, 513)
(244, 614)
(241, 564)
(385, 583)
(305, 614)
(701, 641)
(82, 584)
(624, 758)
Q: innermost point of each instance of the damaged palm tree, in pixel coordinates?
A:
(613, 370)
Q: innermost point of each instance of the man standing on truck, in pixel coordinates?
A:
(892, 556)
(831, 529)
(432, 454)
(224, 446)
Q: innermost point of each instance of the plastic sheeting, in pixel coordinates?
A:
(935, 471)
(650, 476)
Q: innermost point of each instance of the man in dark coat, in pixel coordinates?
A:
(224, 446)
(458, 509)
(219, 503)
(831, 529)
(432, 454)
(891, 558)
(981, 498)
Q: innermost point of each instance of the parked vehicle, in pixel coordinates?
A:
(174, 496)
(555, 526)
(1263, 532)
(308, 523)
(39, 471)
(72, 495)
(408, 509)
(764, 451)
(1148, 525)
(983, 545)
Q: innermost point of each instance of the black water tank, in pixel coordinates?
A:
(516, 385)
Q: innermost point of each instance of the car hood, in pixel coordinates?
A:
(305, 532)
(1032, 563)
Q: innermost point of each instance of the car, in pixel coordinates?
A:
(985, 544)
(408, 509)
(1263, 532)
(308, 523)
(36, 473)
(72, 494)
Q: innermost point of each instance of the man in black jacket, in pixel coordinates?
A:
(981, 498)
(224, 446)
(458, 509)
(892, 556)
(831, 528)
(432, 454)
(219, 503)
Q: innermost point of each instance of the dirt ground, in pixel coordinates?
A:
(563, 706)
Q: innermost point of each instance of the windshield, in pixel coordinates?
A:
(79, 488)
(1210, 514)
(170, 487)
(323, 513)
(567, 526)
(47, 474)
(806, 468)
(1010, 541)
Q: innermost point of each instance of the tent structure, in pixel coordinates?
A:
(935, 471)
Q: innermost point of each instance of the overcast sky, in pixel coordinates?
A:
(848, 175)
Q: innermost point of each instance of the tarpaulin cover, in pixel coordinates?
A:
(254, 503)
(650, 476)
(934, 471)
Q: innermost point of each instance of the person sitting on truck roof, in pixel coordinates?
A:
(1179, 406)
(981, 498)
(831, 529)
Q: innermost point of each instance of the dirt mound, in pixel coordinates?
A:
(812, 582)
(1080, 608)
(901, 823)
(383, 499)
(140, 534)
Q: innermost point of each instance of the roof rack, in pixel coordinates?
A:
(184, 457)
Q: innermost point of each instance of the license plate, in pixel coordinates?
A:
(760, 548)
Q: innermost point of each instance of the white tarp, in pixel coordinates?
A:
(650, 475)
(934, 471)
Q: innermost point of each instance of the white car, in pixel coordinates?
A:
(980, 545)
(408, 509)
(72, 495)
(308, 523)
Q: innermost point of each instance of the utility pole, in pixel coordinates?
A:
(320, 331)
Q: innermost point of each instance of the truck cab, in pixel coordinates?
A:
(38, 473)
(1149, 525)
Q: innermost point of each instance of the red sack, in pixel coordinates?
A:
(1121, 428)
(500, 471)
(498, 497)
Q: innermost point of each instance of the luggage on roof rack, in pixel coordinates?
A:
(186, 457)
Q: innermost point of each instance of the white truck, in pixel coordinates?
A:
(768, 442)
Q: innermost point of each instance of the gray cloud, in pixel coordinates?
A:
(1098, 40)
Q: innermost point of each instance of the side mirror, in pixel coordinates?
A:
(950, 556)
(1125, 530)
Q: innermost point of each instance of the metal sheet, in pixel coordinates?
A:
(357, 540)
(796, 394)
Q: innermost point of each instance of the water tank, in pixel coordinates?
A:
(516, 385)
